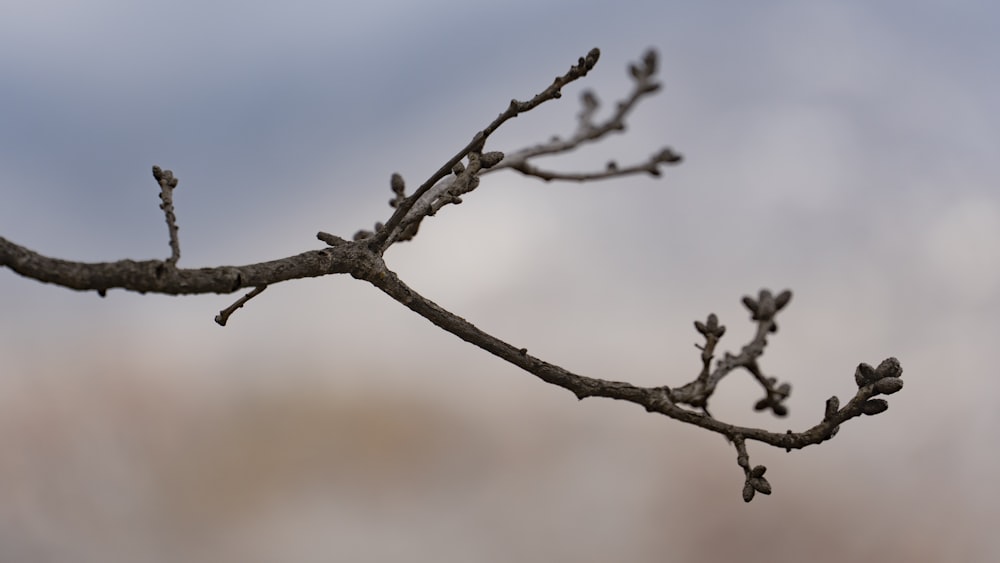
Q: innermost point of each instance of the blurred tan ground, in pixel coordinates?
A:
(112, 466)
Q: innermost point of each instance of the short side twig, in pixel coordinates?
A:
(651, 166)
(224, 314)
(167, 182)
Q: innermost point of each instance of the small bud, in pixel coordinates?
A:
(761, 485)
(713, 321)
(710, 327)
(766, 306)
(748, 492)
(864, 374)
(889, 368)
(458, 168)
(758, 471)
(832, 406)
(782, 299)
(649, 62)
(491, 159)
(888, 385)
(762, 404)
(874, 406)
(780, 410)
(668, 156)
(751, 304)
(397, 184)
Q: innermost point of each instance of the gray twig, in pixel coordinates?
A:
(224, 314)
(167, 182)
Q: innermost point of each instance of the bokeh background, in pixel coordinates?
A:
(846, 150)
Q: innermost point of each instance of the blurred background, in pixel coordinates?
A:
(846, 150)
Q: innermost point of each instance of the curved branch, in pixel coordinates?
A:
(653, 399)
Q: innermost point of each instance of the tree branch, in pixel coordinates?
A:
(665, 400)
(362, 258)
(158, 276)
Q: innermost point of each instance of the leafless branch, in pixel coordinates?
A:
(362, 258)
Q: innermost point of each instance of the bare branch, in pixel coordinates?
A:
(157, 276)
(362, 258)
(663, 400)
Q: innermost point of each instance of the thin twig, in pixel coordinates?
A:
(167, 182)
(612, 170)
(589, 131)
(224, 314)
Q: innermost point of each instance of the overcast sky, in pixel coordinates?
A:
(846, 150)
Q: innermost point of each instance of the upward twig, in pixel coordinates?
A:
(382, 238)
